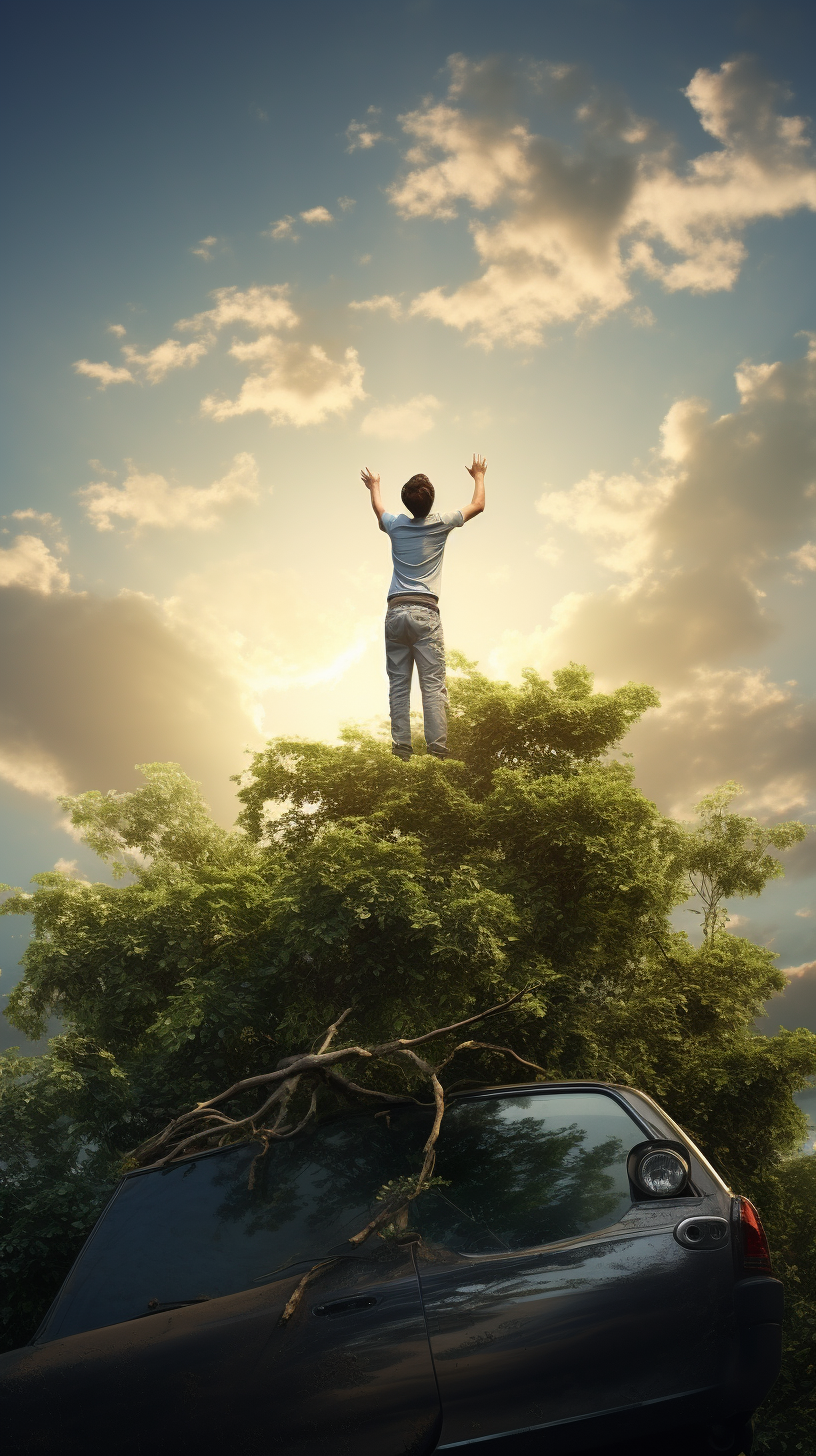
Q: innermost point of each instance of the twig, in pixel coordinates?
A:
(201, 1124)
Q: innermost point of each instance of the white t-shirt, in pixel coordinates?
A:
(417, 549)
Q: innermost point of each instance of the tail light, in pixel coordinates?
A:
(753, 1244)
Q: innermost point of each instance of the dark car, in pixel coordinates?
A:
(578, 1276)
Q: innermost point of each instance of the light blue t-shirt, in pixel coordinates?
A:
(417, 548)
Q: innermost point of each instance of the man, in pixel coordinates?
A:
(413, 630)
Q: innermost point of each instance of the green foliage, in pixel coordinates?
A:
(787, 1197)
(727, 854)
(415, 893)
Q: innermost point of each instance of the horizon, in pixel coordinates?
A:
(245, 261)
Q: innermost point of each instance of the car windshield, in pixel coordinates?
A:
(516, 1171)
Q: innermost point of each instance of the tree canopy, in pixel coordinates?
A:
(415, 893)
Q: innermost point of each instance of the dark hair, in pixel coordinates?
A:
(418, 495)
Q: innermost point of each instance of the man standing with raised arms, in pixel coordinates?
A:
(413, 629)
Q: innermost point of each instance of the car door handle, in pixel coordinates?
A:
(345, 1306)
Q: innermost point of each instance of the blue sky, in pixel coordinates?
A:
(250, 248)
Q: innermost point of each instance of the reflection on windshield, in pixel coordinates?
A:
(527, 1171)
(519, 1171)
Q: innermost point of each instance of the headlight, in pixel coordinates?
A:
(658, 1172)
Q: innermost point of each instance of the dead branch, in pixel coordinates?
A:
(195, 1130)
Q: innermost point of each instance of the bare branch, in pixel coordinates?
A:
(200, 1124)
(298, 1293)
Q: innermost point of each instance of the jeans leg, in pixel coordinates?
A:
(429, 655)
(399, 663)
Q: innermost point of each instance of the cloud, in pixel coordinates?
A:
(361, 135)
(729, 723)
(807, 968)
(104, 372)
(92, 686)
(803, 914)
(346, 203)
(616, 511)
(698, 538)
(44, 518)
(382, 303)
(263, 306)
(402, 421)
(317, 215)
(204, 248)
(118, 329)
(292, 382)
(157, 363)
(296, 384)
(150, 500)
(29, 563)
(805, 557)
(572, 223)
(283, 228)
(699, 535)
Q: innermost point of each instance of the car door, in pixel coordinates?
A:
(167, 1335)
(550, 1297)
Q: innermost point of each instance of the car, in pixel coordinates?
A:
(577, 1277)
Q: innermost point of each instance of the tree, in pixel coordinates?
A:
(417, 894)
(727, 855)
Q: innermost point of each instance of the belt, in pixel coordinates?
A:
(414, 599)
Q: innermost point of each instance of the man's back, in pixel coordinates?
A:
(417, 549)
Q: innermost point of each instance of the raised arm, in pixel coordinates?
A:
(477, 505)
(372, 484)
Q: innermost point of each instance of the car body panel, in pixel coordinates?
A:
(227, 1375)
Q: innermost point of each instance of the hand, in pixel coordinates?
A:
(478, 467)
(369, 480)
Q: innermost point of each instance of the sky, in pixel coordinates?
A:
(250, 248)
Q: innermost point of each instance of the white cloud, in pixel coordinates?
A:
(150, 500)
(402, 421)
(93, 685)
(118, 329)
(29, 563)
(32, 772)
(699, 537)
(575, 222)
(316, 216)
(805, 969)
(361, 135)
(204, 248)
(68, 867)
(617, 511)
(803, 914)
(157, 363)
(104, 372)
(263, 306)
(805, 556)
(283, 228)
(550, 551)
(299, 383)
(44, 518)
(292, 382)
(346, 203)
(382, 303)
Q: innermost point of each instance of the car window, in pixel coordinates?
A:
(523, 1171)
(517, 1171)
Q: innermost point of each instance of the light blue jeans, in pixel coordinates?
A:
(413, 634)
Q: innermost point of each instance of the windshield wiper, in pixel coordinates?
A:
(155, 1306)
